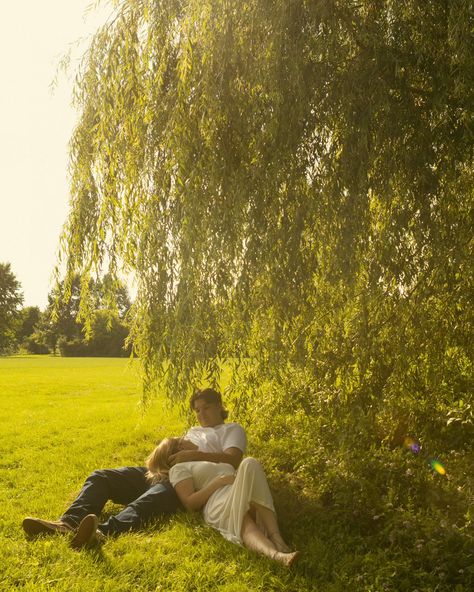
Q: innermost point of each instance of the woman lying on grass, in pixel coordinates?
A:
(237, 503)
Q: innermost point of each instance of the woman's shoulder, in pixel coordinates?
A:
(189, 465)
(182, 470)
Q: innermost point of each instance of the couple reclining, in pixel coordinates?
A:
(202, 471)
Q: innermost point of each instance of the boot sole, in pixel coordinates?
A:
(34, 527)
(86, 533)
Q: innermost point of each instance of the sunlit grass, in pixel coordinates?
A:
(61, 418)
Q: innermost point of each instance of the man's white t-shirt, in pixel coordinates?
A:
(218, 438)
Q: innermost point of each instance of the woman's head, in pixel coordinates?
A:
(158, 461)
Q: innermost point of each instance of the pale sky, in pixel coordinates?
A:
(36, 123)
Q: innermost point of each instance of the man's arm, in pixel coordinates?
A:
(231, 456)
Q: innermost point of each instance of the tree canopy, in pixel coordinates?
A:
(291, 184)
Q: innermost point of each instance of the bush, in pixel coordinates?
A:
(107, 339)
(73, 348)
(34, 345)
(108, 335)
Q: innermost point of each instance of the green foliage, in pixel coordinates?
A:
(291, 184)
(31, 332)
(11, 299)
(103, 332)
(107, 337)
(28, 319)
(34, 344)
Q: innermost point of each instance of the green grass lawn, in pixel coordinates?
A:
(60, 419)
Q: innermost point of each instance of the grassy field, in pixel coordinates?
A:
(60, 419)
(394, 529)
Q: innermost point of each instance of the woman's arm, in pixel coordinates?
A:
(194, 500)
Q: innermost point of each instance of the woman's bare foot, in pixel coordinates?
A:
(287, 559)
(279, 543)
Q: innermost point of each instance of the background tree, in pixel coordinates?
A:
(108, 335)
(28, 319)
(102, 333)
(61, 317)
(32, 331)
(11, 300)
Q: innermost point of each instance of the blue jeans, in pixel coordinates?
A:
(127, 486)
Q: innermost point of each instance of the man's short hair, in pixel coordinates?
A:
(210, 396)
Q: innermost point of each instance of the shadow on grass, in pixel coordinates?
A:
(404, 531)
(96, 555)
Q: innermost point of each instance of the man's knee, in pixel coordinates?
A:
(99, 475)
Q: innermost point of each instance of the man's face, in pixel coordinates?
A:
(208, 414)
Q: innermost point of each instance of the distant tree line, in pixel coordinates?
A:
(58, 329)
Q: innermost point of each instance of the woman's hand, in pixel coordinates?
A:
(194, 500)
(226, 480)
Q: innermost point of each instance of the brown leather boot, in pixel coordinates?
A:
(35, 526)
(87, 534)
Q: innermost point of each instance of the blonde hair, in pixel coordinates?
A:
(157, 462)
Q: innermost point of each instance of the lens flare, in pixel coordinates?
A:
(412, 444)
(437, 467)
(415, 447)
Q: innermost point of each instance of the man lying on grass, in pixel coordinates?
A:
(143, 498)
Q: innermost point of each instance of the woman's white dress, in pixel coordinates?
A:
(226, 508)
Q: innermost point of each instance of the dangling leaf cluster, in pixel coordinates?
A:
(290, 182)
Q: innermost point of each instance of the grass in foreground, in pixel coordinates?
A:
(60, 419)
(383, 526)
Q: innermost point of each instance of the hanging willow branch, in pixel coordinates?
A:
(279, 176)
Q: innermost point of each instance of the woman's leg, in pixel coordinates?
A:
(252, 479)
(254, 539)
(269, 521)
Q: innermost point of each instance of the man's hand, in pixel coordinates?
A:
(183, 456)
(188, 452)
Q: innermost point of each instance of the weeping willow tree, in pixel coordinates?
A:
(290, 182)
